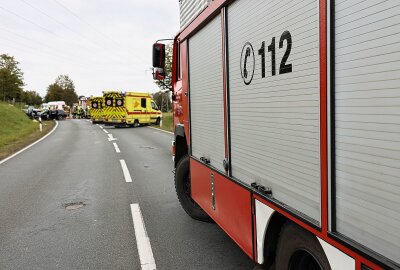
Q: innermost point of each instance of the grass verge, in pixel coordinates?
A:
(17, 130)
(167, 122)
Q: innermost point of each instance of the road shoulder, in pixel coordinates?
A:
(9, 151)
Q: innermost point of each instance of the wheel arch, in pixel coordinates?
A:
(270, 232)
(181, 147)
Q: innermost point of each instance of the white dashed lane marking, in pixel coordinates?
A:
(116, 148)
(125, 170)
(142, 239)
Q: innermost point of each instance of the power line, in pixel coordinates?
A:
(66, 26)
(60, 57)
(26, 38)
(47, 15)
(29, 21)
(85, 22)
(94, 28)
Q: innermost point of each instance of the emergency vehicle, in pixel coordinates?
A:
(130, 109)
(113, 108)
(287, 128)
(141, 109)
(96, 109)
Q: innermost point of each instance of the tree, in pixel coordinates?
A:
(63, 89)
(163, 101)
(54, 93)
(166, 84)
(31, 98)
(11, 78)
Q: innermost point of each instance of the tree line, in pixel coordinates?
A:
(12, 86)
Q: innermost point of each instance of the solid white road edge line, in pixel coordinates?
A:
(29, 146)
(161, 130)
(125, 170)
(142, 239)
(116, 148)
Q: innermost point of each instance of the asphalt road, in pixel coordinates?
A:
(78, 167)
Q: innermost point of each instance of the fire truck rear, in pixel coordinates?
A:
(287, 127)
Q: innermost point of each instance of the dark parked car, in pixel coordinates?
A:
(53, 114)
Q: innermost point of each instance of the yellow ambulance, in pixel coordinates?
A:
(141, 109)
(96, 109)
(130, 109)
(113, 108)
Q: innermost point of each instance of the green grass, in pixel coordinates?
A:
(167, 121)
(14, 124)
(17, 130)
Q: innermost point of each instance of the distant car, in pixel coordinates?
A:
(35, 114)
(52, 114)
(32, 112)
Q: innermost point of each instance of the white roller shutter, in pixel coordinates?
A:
(275, 119)
(206, 94)
(367, 98)
(190, 9)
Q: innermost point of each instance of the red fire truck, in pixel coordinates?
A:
(287, 128)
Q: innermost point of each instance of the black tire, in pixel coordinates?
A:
(135, 123)
(299, 249)
(158, 121)
(60, 117)
(182, 187)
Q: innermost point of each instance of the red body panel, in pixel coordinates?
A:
(232, 204)
(181, 103)
(323, 116)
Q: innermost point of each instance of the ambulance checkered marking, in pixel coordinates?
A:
(96, 111)
(110, 111)
(273, 49)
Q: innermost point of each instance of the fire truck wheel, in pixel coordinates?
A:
(299, 249)
(136, 123)
(158, 121)
(182, 187)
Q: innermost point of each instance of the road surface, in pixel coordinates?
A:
(71, 202)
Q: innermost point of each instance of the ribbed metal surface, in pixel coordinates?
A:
(206, 94)
(190, 9)
(275, 119)
(367, 82)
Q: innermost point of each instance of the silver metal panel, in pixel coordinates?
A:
(367, 104)
(206, 94)
(275, 126)
(190, 9)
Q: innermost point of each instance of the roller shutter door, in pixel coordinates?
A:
(275, 110)
(367, 133)
(190, 9)
(206, 94)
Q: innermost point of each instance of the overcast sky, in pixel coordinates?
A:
(100, 44)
